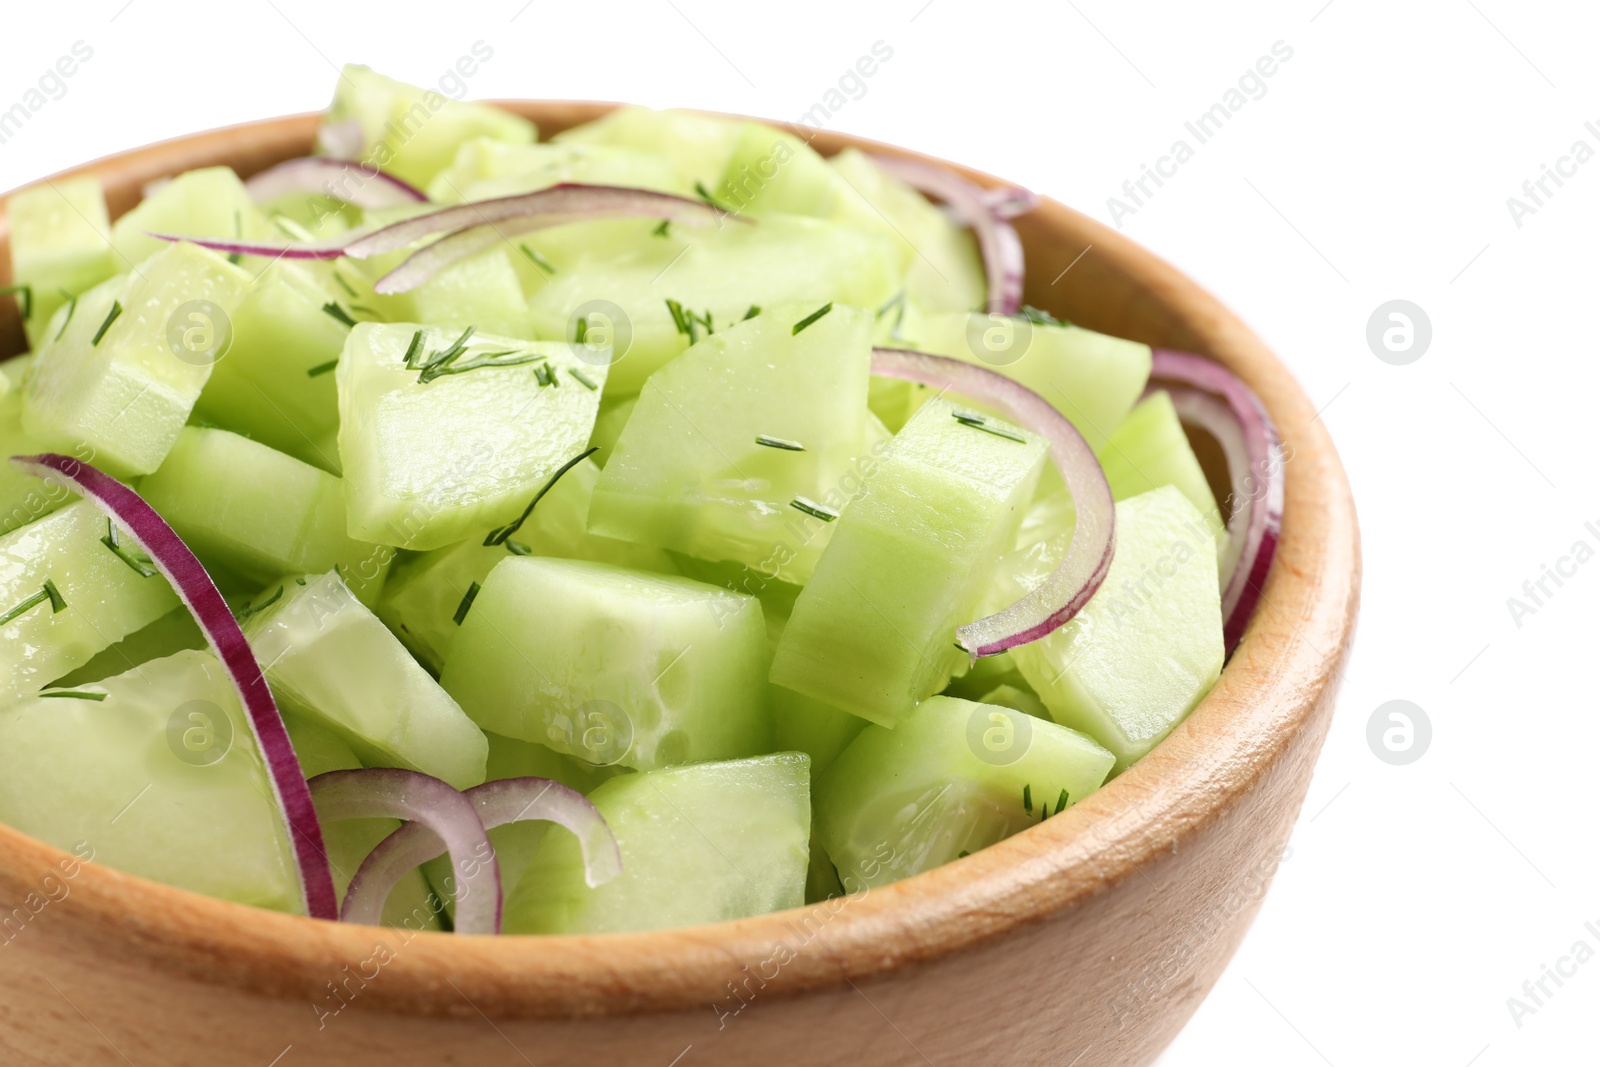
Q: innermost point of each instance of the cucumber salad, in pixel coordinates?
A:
(654, 524)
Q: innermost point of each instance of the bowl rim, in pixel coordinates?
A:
(1233, 741)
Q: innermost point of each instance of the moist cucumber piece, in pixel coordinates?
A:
(1148, 645)
(1017, 698)
(209, 202)
(689, 472)
(700, 844)
(23, 497)
(721, 272)
(414, 133)
(874, 630)
(330, 660)
(137, 778)
(943, 269)
(174, 632)
(422, 596)
(126, 396)
(60, 245)
(697, 145)
(612, 665)
(948, 780)
(1148, 450)
(100, 597)
(260, 513)
(774, 173)
(430, 464)
(1091, 378)
(483, 291)
(615, 411)
(805, 724)
(274, 383)
(484, 169)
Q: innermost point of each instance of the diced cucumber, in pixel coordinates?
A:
(260, 513)
(697, 145)
(483, 291)
(874, 630)
(691, 471)
(174, 632)
(771, 172)
(114, 381)
(615, 411)
(1017, 698)
(804, 724)
(612, 665)
(422, 595)
(330, 660)
(484, 169)
(275, 383)
(1091, 378)
(101, 596)
(60, 245)
(428, 464)
(161, 779)
(720, 273)
(23, 497)
(414, 133)
(1150, 450)
(699, 844)
(1148, 646)
(209, 202)
(950, 779)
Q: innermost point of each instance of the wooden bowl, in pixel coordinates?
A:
(1089, 939)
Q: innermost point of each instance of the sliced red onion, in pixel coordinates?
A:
(1081, 570)
(1209, 396)
(986, 212)
(552, 206)
(499, 802)
(422, 265)
(344, 140)
(421, 799)
(349, 180)
(1010, 201)
(199, 594)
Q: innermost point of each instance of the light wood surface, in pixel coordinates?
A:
(1087, 940)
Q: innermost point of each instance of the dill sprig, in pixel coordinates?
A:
(536, 259)
(466, 602)
(982, 422)
(116, 309)
(813, 317)
(72, 306)
(139, 562)
(332, 308)
(500, 536)
(24, 295)
(48, 593)
(321, 368)
(812, 508)
(779, 442)
(73, 694)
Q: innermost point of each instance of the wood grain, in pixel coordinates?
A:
(1087, 940)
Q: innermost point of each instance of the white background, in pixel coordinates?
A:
(1377, 166)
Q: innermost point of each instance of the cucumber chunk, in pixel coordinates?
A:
(690, 471)
(60, 245)
(273, 384)
(330, 660)
(260, 513)
(209, 202)
(612, 665)
(1091, 378)
(99, 595)
(114, 382)
(137, 777)
(484, 169)
(1148, 646)
(699, 844)
(414, 133)
(697, 145)
(483, 291)
(1150, 450)
(23, 497)
(176, 631)
(720, 272)
(429, 464)
(874, 630)
(422, 596)
(948, 780)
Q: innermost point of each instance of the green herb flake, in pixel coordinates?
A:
(1027, 799)
(249, 610)
(339, 278)
(1042, 318)
(72, 306)
(544, 375)
(580, 331)
(517, 548)
(466, 603)
(322, 368)
(963, 854)
(238, 234)
(755, 309)
(812, 508)
(663, 230)
(536, 259)
(583, 379)
(24, 295)
(813, 317)
(332, 308)
(72, 694)
(414, 351)
(704, 194)
(981, 422)
(47, 594)
(1061, 803)
(58, 603)
(116, 309)
(779, 442)
(139, 562)
(500, 536)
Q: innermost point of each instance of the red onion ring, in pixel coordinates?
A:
(199, 594)
(987, 212)
(323, 175)
(1209, 396)
(1081, 570)
(556, 204)
(503, 801)
(421, 799)
(422, 265)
